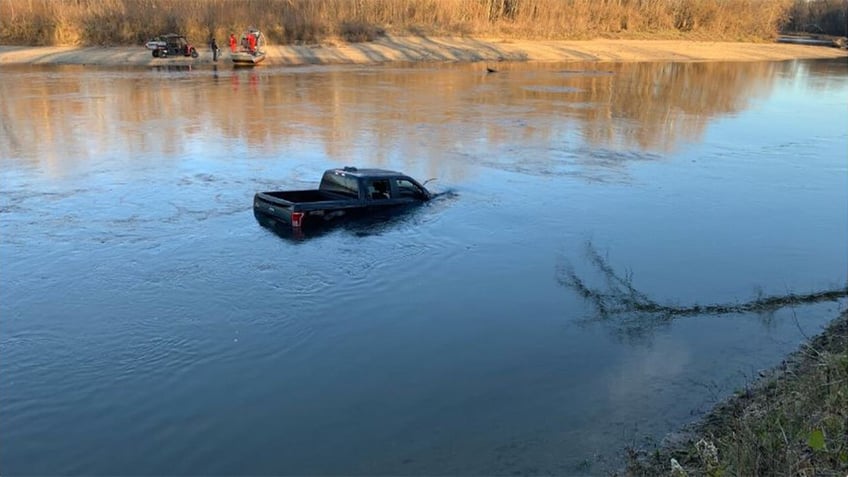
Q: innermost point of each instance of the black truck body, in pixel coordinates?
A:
(343, 193)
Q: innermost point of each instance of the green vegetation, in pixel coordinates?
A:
(792, 423)
(116, 22)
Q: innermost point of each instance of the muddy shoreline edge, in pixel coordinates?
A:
(389, 49)
(792, 419)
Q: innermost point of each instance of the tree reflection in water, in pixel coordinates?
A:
(444, 113)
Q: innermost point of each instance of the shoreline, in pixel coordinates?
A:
(389, 49)
(791, 404)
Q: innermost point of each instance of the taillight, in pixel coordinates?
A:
(297, 219)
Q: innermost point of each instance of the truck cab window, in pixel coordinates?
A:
(379, 189)
(340, 184)
(406, 188)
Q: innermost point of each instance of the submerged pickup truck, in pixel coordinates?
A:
(343, 193)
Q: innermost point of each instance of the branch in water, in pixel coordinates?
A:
(621, 296)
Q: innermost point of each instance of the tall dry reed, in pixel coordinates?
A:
(99, 22)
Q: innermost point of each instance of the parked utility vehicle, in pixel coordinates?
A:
(171, 44)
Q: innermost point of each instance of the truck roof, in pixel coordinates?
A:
(356, 172)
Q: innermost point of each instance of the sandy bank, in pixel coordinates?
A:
(390, 49)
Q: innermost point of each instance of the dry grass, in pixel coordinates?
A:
(112, 22)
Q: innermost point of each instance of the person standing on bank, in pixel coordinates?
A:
(215, 50)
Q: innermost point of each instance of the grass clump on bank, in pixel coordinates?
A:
(793, 423)
(116, 22)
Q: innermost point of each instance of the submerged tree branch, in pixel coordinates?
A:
(620, 296)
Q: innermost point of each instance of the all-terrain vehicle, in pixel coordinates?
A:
(171, 44)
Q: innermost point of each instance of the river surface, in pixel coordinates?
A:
(150, 325)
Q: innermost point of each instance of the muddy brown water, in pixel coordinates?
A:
(149, 325)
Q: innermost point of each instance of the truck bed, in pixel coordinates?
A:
(299, 196)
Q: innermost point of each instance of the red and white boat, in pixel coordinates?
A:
(250, 50)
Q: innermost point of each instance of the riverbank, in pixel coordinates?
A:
(793, 421)
(420, 49)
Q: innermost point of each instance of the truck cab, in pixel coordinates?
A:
(372, 184)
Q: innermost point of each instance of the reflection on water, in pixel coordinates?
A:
(150, 325)
(610, 107)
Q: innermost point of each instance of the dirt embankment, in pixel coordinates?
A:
(417, 49)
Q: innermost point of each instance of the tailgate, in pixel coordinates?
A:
(269, 205)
